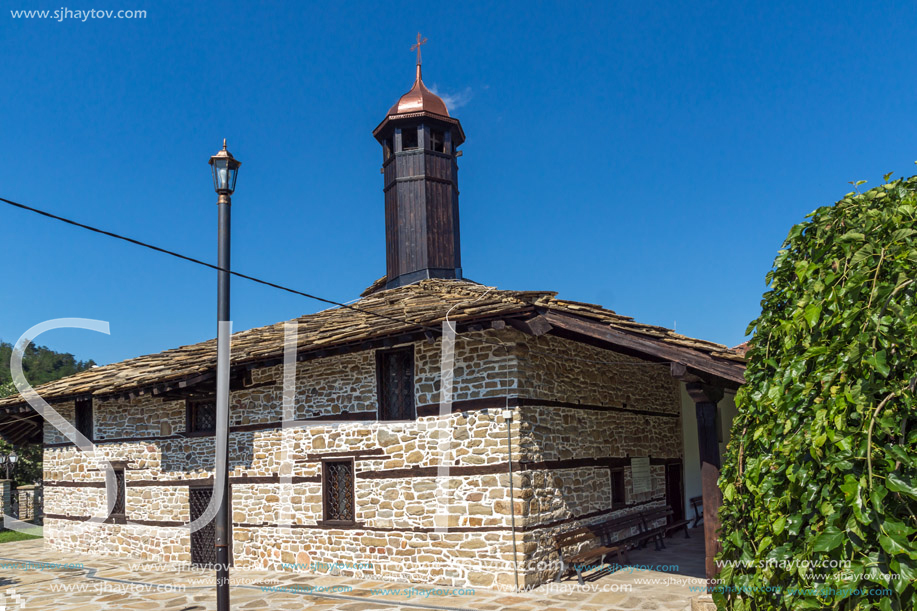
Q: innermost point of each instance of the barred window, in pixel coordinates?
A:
(395, 382)
(337, 489)
(202, 415)
(203, 552)
(117, 513)
(83, 417)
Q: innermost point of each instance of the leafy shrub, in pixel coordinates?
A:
(823, 463)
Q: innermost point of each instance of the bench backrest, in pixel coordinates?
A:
(653, 515)
(574, 537)
(620, 528)
(604, 532)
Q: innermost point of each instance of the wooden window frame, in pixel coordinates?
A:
(615, 501)
(380, 384)
(84, 403)
(438, 141)
(190, 417)
(325, 521)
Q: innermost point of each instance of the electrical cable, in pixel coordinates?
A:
(287, 289)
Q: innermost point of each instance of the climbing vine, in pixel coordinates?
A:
(820, 478)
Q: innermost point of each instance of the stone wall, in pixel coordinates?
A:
(143, 542)
(29, 503)
(588, 411)
(399, 502)
(559, 392)
(481, 559)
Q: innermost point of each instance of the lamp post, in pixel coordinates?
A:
(225, 169)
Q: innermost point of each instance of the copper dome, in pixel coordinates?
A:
(419, 99)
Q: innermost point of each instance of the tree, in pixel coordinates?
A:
(823, 463)
(40, 365)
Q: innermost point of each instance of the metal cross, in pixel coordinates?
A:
(417, 46)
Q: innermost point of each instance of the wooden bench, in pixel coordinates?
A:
(697, 503)
(602, 540)
(670, 525)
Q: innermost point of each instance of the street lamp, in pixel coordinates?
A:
(225, 170)
(9, 460)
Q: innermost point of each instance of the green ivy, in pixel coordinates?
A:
(822, 466)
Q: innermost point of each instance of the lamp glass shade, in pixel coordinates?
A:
(13, 458)
(225, 169)
(233, 173)
(224, 175)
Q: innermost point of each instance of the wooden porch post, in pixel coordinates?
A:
(705, 399)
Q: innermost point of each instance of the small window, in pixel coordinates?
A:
(395, 379)
(202, 415)
(387, 148)
(617, 488)
(438, 141)
(83, 417)
(337, 490)
(408, 138)
(117, 512)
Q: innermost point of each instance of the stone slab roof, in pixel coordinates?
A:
(379, 314)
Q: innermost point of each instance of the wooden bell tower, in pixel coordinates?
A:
(419, 141)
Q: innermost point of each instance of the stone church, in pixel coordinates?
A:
(561, 414)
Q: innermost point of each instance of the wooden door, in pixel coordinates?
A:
(674, 491)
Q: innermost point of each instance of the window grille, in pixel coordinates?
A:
(203, 551)
(338, 490)
(202, 415)
(117, 512)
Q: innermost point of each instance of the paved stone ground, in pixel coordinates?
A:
(115, 584)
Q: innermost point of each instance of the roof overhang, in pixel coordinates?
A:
(722, 372)
(456, 126)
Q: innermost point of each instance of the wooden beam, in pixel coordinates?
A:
(22, 432)
(535, 326)
(678, 370)
(705, 398)
(651, 348)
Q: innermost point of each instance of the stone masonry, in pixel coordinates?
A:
(410, 522)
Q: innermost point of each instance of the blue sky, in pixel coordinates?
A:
(648, 156)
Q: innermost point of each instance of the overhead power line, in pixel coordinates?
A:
(199, 262)
(280, 287)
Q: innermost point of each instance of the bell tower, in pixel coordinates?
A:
(419, 141)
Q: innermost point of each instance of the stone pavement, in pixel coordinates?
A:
(105, 583)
